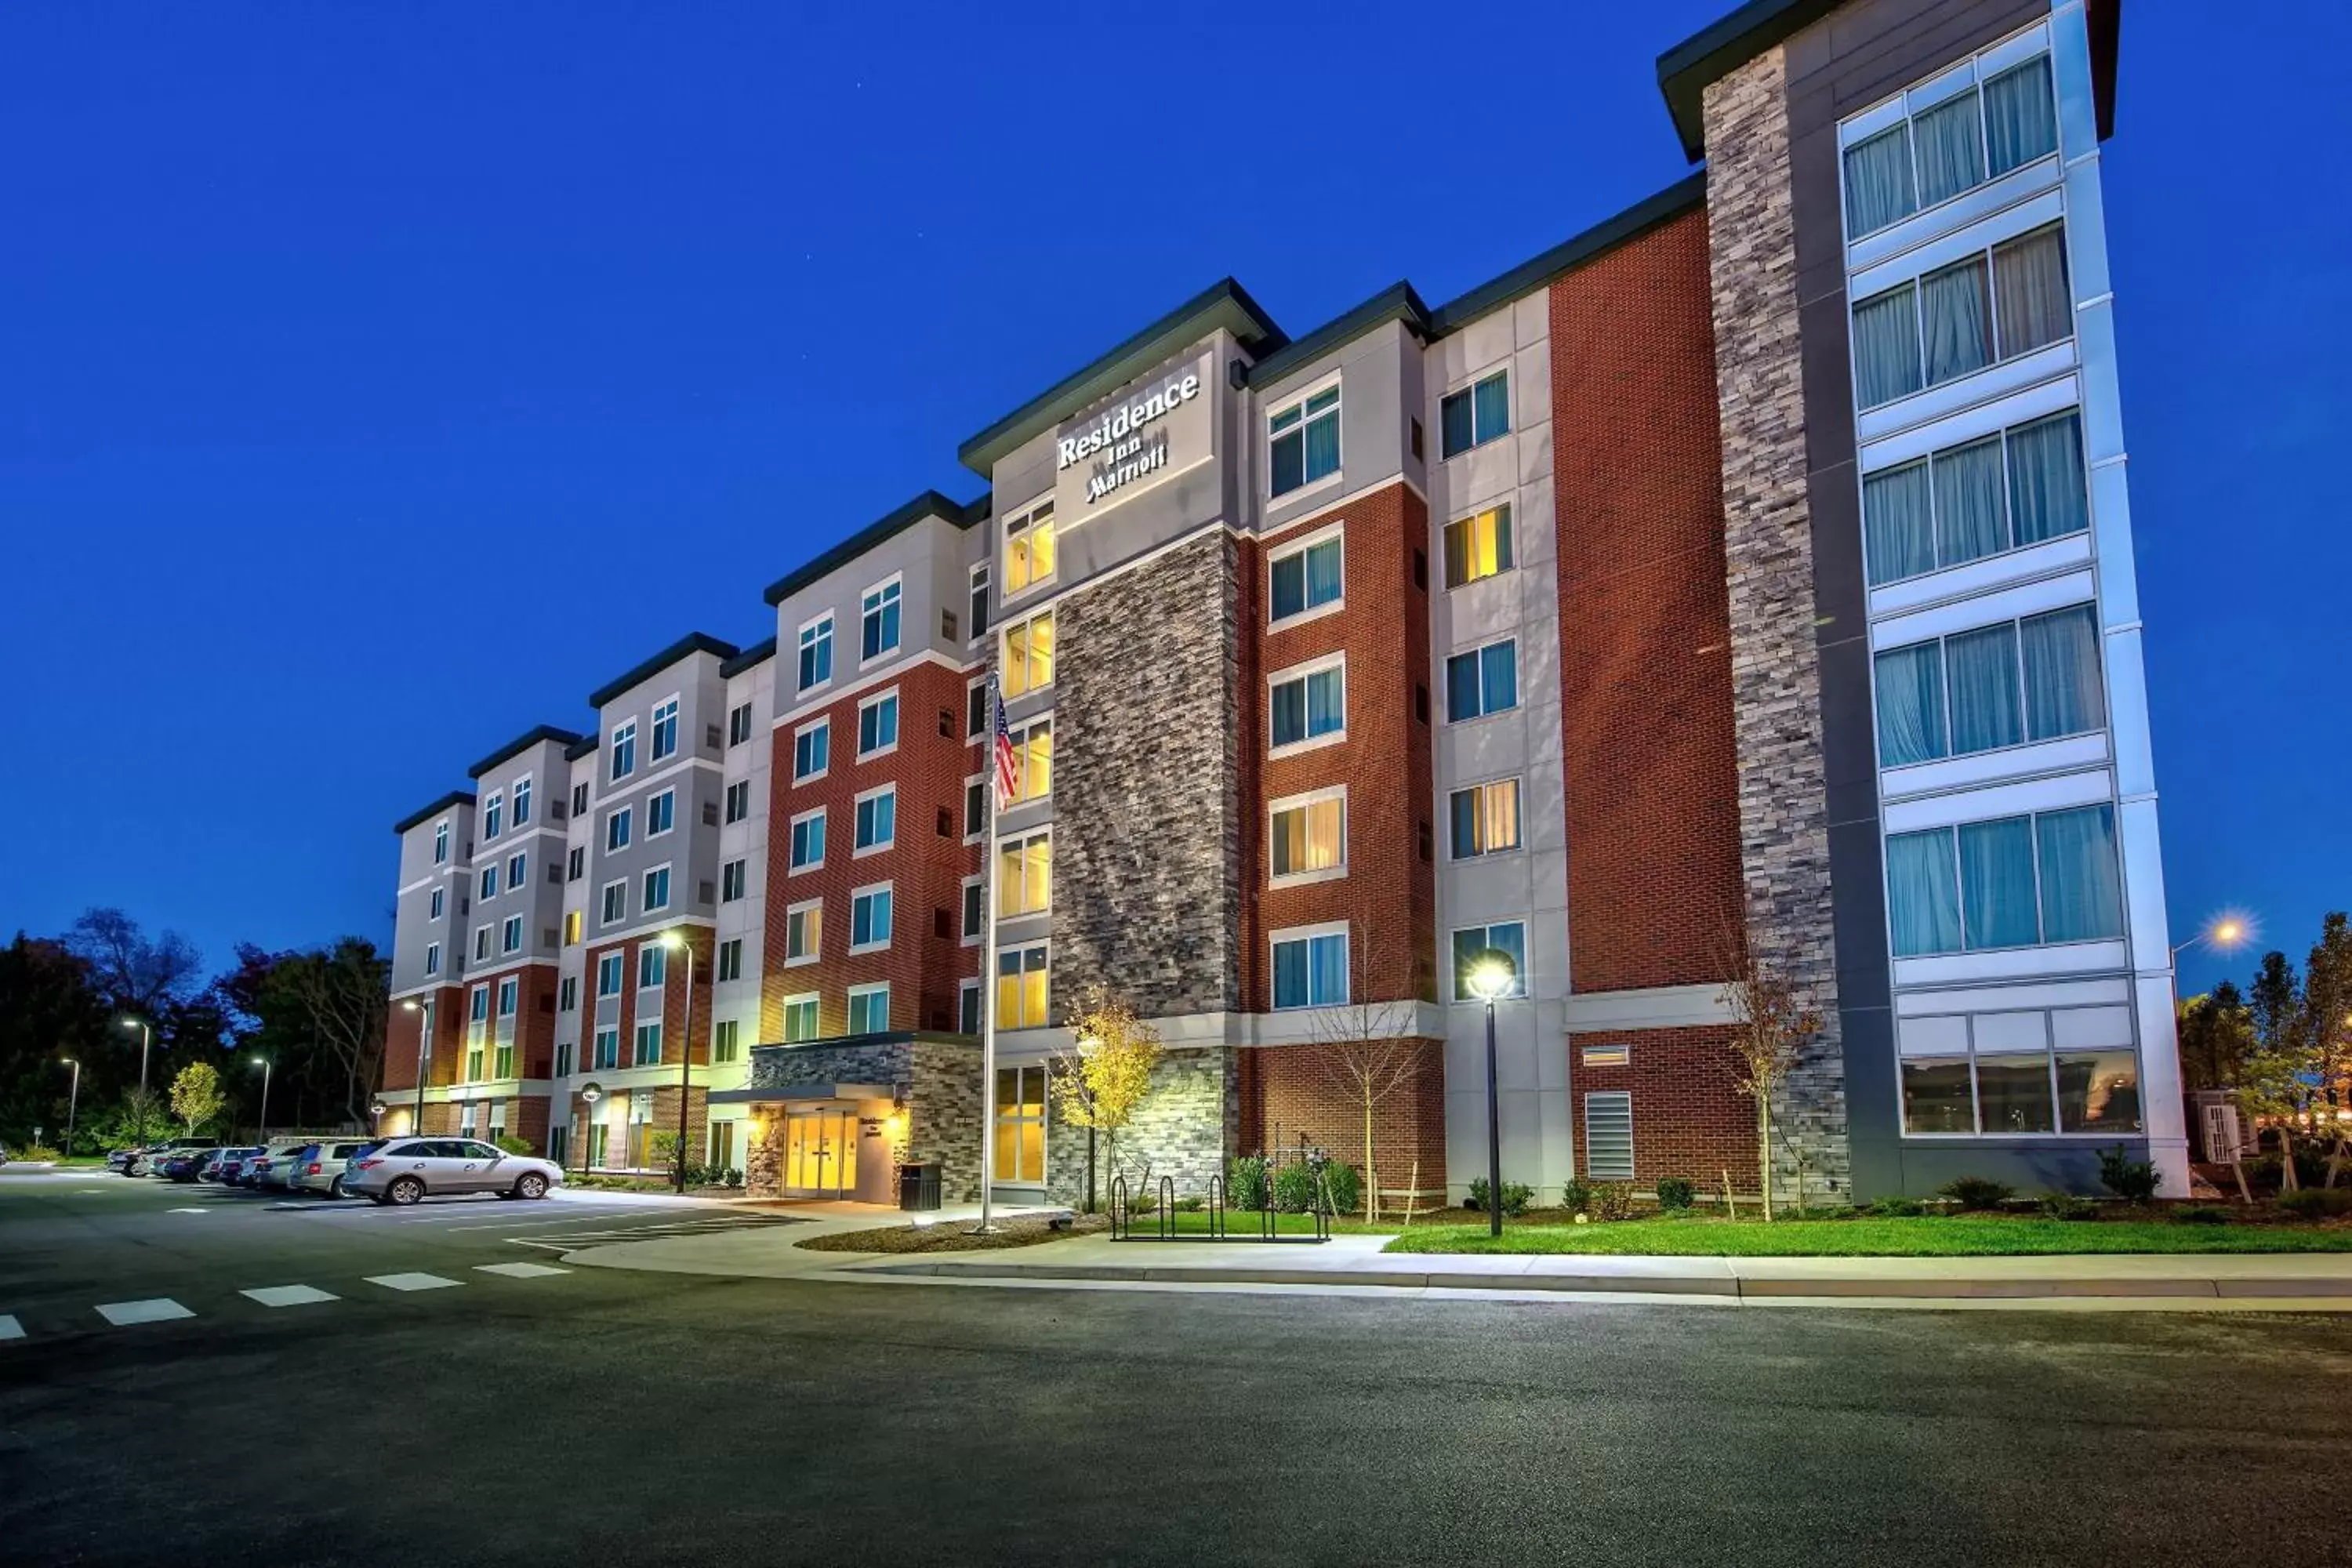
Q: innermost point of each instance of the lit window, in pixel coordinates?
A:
(1309, 837)
(1475, 415)
(1303, 442)
(869, 918)
(1024, 875)
(816, 652)
(665, 737)
(877, 725)
(1028, 660)
(1029, 549)
(812, 748)
(1020, 1139)
(1478, 546)
(1032, 753)
(803, 932)
(1483, 680)
(625, 750)
(1305, 579)
(1021, 988)
(1308, 705)
(571, 929)
(800, 1018)
(1485, 819)
(869, 1009)
(1310, 970)
(878, 622)
(1508, 936)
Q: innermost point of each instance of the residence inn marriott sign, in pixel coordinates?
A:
(1144, 436)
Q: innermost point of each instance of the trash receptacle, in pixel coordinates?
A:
(918, 1185)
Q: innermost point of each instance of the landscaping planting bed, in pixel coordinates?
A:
(1872, 1236)
(951, 1236)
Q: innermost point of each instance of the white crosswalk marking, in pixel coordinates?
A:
(520, 1270)
(290, 1295)
(154, 1309)
(10, 1329)
(412, 1281)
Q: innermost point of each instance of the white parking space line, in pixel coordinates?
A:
(290, 1295)
(183, 1211)
(154, 1309)
(10, 1329)
(519, 1270)
(412, 1281)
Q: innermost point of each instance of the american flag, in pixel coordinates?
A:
(1008, 761)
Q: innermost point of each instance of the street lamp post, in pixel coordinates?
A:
(263, 1063)
(73, 1102)
(423, 1054)
(676, 943)
(1493, 973)
(146, 1040)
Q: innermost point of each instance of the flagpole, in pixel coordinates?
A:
(987, 971)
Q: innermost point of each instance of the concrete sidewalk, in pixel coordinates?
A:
(2319, 1282)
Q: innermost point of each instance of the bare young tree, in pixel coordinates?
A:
(342, 992)
(1770, 1025)
(1365, 1049)
(135, 973)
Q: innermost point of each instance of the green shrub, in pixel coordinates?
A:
(1294, 1188)
(32, 1153)
(1897, 1208)
(2310, 1169)
(1343, 1190)
(512, 1144)
(2201, 1214)
(1576, 1194)
(2317, 1202)
(2134, 1180)
(1978, 1192)
(2066, 1205)
(1676, 1193)
(1191, 1205)
(1516, 1196)
(1245, 1183)
(1612, 1201)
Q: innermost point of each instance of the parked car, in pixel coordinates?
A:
(319, 1167)
(149, 1160)
(119, 1161)
(405, 1169)
(268, 1169)
(181, 1165)
(223, 1164)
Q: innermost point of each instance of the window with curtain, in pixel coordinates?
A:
(2029, 275)
(1898, 523)
(1955, 319)
(1950, 146)
(1910, 705)
(1507, 937)
(2082, 890)
(1484, 680)
(1887, 346)
(2064, 693)
(1305, 579)
(1478, 546)
(1878, 182)
(1998, 907)
(1485, 819)
(2047, 491)
(2032, 679)
(1980, 671)
(1310, 972)
(1963, 503)
(1303, 442)
(2020, 116)
(1305, 707)
(2022, 880)
(1923, 909)
(1308, 838)
(1970, 520)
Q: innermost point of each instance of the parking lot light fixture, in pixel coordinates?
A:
(1492, 976)
(263, 1063)
(146, 1043)
(423, 1054)
(674, 940)
(73, 1101)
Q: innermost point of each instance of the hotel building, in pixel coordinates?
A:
(1755, 566)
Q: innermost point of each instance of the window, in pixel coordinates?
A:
(493, 811)
(656, 890)
(439, 902)
(432, 958)
(649, 1044)
(502, 1056)
(625, 750)
(869, 918)
(562, 1070)
(1024, 875)
(580, 799)
(575, 863)
(1615, 1054)
(1032, 755)
(1504, 936)
(975, 808)
(1021, 988)
(975, 717)
(2013, 881)
(661, 814)
(1609, 1136)
(869, 1009)
(1028, 550)
(730, 882)
(1307, 704)
(980, 601)
(730, 959)
(877, 725)
(652, 965)
(1475, 415)
(967, 1006)
(812, 748)
(1310, 970)
(2070, 1070)
(616, 831)
(607, 1051)
(1306, 837)
(1485, 819)
(816, 652)
(481, 944)
(1309, 577)
(1976, 135)
(478, 1017)
(440, 843)
(808, 840)
(722, 1046)
(1991, 306)
(1478, 546)
(572, 919)
(804, 930)
(878, 622)
(1020, 1142)
(665, 736)
(1483, 680)
(2031, 680)
(510, 935)
(877, 821)
(522, 801)
(800, 1018)
(739, 801)
(2001, 492)
(738, 724)
(608, 974)
(1303, 442)
(1027, 663)
(567, 996)
(489, 882)
(517, 866)
(975, 908)
(615, 904)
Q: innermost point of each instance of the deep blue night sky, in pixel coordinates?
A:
(379, 380)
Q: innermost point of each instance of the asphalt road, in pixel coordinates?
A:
(602, 1416)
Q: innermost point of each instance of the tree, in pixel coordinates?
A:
(318, 1014)
(196, 1095)
(50, 1012)
(2326, 1027)
(1104, 1075)
(1770, 1026)
(2216, 1037)
(135, 973)
(1364, 1048)
(2274, 1082)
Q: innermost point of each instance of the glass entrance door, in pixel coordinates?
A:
(821, 1152)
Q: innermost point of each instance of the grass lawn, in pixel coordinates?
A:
(1955, 1236)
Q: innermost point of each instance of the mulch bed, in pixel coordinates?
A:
(953, 1236)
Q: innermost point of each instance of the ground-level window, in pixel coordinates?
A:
(1021, 1123)
(721, 1145)
(1609, 1136)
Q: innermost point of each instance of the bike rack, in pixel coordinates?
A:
(1220, 1217)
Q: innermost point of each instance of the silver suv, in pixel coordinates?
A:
(406, 1170)
(319, 1167)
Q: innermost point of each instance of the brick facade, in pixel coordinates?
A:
(1689, 1118)
(1293, 1093)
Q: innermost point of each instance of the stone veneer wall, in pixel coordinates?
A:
(1768, 566)
(943, 1115)
(1147, 841)
(1185, 1127)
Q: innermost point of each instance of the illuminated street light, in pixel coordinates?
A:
(423, 1054)
(146, 1041)
(263, 1063)
(674, 940)
(1493, 975)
